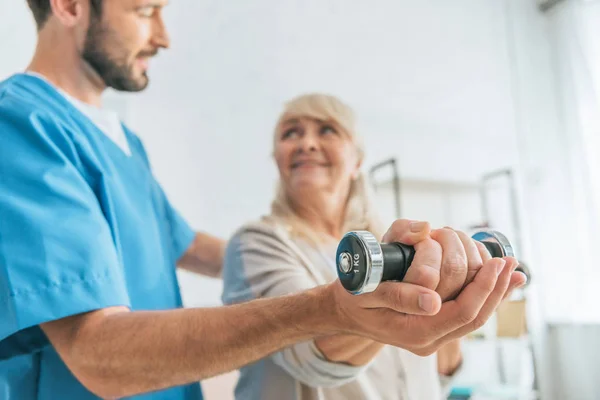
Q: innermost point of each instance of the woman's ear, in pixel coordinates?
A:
(356, 172)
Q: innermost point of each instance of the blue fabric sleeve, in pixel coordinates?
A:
(180, 231)
(57, 253)
(181, 234)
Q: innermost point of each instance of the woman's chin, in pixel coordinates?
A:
(309, 184)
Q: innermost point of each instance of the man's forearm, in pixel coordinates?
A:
(126, 353)
(204, 256)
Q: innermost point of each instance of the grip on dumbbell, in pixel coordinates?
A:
(363, 262)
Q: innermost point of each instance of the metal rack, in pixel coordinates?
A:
(393, 165)
(483, 189)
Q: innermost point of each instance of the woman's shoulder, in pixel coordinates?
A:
(262, 227)
(264, 233)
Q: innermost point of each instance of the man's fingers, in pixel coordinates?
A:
(425, 267)
(457, 313)
(491, 303)
(404, 298)
(454, 263)
(517, 280)
(407, 232)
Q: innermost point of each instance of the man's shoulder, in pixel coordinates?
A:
(22, 95)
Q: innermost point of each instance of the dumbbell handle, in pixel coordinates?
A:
(398, 257)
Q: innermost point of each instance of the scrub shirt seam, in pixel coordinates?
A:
(55, 284)
(174, 243)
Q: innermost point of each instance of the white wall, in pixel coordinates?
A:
(430, 81)
(573, 361)
(534, 91)
(559, 192)
(17, 36)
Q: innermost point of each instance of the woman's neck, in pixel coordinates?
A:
(324, 213)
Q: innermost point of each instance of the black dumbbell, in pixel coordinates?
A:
(363, 263)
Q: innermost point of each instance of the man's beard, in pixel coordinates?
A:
(112, 69)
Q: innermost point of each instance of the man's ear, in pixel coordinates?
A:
(69, 12)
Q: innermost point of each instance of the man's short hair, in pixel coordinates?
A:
(41, 10)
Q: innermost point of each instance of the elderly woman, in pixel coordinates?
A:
(322, 194)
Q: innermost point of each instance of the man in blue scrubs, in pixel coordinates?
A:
(89, 302)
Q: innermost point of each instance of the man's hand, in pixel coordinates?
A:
(412, 316)
(357, 350)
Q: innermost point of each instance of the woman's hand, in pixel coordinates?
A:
(448, 261)
(410, 314)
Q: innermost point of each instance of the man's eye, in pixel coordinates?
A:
(146, 12)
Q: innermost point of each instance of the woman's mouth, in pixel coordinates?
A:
(308, 164)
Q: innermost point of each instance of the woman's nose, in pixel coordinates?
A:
(309, 143)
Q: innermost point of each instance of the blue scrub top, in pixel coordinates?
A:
(83, 226)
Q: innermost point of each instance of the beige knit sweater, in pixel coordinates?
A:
(263, 260)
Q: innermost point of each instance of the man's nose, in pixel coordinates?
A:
(160, 37)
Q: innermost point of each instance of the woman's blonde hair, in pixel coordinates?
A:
(360, 213)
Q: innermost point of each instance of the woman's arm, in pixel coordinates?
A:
(204, 256)
(449, 358)
(347, 349)
(259, 264)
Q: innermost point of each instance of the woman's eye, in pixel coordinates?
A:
(146, 12)
(327, 129)
(289, 133)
